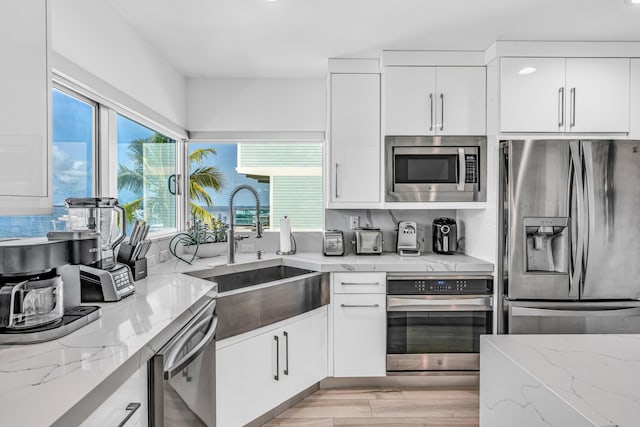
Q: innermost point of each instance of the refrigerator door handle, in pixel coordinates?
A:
(550, 312)
(577, 251)
(589, 195)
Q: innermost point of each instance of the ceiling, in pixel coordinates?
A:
(294, 38)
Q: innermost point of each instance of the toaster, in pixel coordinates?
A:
(333, 242)
(367, 241)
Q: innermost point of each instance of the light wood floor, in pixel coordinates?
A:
(432, 407)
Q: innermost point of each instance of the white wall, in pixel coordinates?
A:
(256, 104)
(92, 35)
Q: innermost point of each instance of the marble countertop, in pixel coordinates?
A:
(43, 382)
(387, 262)
(596, 375)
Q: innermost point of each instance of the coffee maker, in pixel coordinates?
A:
(39, 289)
(408, 244)
(105, 279)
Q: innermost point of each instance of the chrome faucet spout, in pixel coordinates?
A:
(231, 240)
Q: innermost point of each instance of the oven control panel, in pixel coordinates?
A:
(439, 286)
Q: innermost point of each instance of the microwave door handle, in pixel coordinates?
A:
(462, 170)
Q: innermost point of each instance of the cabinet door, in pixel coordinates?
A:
(246, 381)
(410, 100)
(359, 334)
(598, 95)
(355, 138)
(531, 94)
(304, 355)
(24, 111)
(122, 404)
(461, 100)
(634, 125)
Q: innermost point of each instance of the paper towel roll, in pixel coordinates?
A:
(285, 234)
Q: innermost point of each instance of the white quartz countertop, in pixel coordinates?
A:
(387, 262)
(39, 383)
(596, 375)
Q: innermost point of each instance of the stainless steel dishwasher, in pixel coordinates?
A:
(183, 374)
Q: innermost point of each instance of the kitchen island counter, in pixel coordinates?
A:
(560, 380)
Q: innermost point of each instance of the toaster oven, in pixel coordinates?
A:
(435, 169)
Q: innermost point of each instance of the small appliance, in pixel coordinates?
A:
(333, 243)
(435, 169)
(104, 279)
(39, 290)
(408, 244)
(367, 241)
(445, 236)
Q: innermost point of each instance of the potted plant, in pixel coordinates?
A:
(201, 239)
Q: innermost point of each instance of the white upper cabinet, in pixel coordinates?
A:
(354, 140)
(564, 95)
(435, 100)
(24, 112)
(598, 98)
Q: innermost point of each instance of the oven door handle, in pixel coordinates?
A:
(454, 304)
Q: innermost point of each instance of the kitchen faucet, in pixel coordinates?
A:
(231, 238)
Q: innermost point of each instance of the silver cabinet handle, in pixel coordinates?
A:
(286, 352)
(360, 283)
(573, 107)
(277, 375)
(431, 111)
(337, 181)
(462, 171)
(549, 312)
(359, 305)
(442, 111)
(131, 409)
(560, 107)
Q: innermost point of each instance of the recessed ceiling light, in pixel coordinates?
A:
(271, 0)
(527, 70)
(633, 2)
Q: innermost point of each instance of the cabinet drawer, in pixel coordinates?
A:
(123, 403)
(359, 283)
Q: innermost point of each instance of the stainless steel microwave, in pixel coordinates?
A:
(435, 168)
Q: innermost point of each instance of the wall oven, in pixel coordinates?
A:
(435, 169)
(434, 323)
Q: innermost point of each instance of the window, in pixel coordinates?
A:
(146, 175)
(73, 125)
(287, 177)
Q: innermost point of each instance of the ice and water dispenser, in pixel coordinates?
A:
(546, 245)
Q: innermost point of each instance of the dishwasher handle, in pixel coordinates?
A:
(176, 366)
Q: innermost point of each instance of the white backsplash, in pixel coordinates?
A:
(387, 221)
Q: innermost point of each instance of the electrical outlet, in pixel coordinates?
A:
(152, 259)
(354, 222)
(164, 255)
(247, 247)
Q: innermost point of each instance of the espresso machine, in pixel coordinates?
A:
(105, 279)
(39, 288)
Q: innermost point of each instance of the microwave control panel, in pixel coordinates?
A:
(471, 162)
(439, 286)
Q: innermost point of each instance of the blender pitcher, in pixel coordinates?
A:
(103, 215)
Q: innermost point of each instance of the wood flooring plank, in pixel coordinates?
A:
(358, 393)
(406, 422)
(328, 408)
(300, 422)
(441, 393)
(432, 408)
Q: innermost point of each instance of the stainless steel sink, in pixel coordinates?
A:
(294, 291)
(243, 279)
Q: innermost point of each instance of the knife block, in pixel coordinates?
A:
(138, 266)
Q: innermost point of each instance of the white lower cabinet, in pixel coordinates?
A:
(257, 373)
(359, 335)
(129, 402)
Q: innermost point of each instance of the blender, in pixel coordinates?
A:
(104, 279)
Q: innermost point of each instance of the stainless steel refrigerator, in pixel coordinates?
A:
(570, 236)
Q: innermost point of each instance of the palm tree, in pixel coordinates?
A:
(201, 178)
